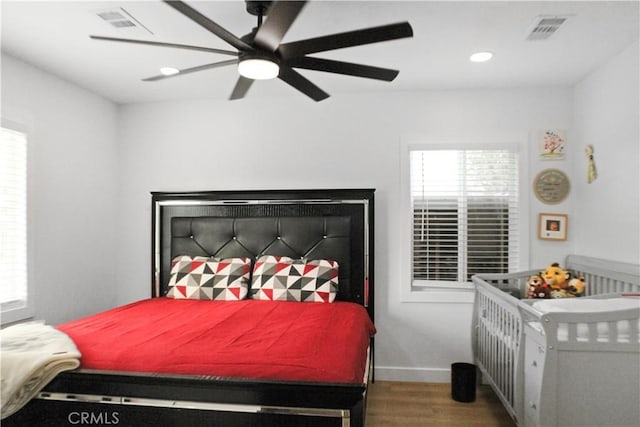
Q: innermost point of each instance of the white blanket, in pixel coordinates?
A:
(32, 355)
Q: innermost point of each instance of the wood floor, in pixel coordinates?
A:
(410, 404)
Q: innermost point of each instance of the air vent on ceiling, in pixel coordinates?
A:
(545, 26)
(120, 19)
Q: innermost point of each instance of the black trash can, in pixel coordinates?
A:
(463, 382)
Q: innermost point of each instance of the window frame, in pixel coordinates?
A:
(17, 313)
(450, 292)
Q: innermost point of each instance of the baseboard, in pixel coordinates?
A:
(426, 375)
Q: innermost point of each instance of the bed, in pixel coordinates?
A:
(199, 380)
(562, 362)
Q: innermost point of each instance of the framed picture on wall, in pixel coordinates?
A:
(552, 226)
(552, 144)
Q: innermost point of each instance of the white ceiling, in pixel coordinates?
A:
(54, 36)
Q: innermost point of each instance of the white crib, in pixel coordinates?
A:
(555, 368)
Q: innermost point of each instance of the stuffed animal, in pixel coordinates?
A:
(560, 293)
(540, 291)
(576, 286)
(537, 288)
(556, 277)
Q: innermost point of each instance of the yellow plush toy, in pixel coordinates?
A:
(561, 283)
(556, 277)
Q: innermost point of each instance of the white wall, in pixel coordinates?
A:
(73, 134)
(607, 115)
(344, 142)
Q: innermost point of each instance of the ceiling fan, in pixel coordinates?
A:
(260, 55)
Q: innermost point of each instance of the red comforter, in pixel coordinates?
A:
(243, 339)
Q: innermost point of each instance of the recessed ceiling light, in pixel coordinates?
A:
(481, 57)
(169, 71)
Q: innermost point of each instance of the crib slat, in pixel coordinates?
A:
(593, 332)
(571, 333)
(633, 330)
(612, 331)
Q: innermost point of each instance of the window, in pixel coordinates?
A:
(14, 294)
(464, 208)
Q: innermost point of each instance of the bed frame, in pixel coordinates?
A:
(335, 224)
(544, 376)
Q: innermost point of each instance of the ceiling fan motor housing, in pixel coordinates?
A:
(259, 54)
(257, 8)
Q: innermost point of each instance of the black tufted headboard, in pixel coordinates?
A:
(312, 224)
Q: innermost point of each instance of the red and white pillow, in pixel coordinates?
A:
(206, 278)
(279, 278)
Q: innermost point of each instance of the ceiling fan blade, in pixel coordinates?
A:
(280, 16)
(339, 67)
(298, 81)
(207, 23)
(348, 39)
(179, 46)
(242, 87)
(192, 70)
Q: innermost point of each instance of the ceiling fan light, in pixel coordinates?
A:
(258, 68)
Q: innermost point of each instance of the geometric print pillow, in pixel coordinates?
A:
(278, 278)
(209, 278)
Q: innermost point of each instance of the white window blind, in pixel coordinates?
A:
(13, 219)
(465, 213)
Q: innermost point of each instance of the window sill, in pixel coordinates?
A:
(16, 315)
(461, 294)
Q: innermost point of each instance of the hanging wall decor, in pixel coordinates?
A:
(592, 174)
(552, 144)
(552, 226)
(551, 186)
